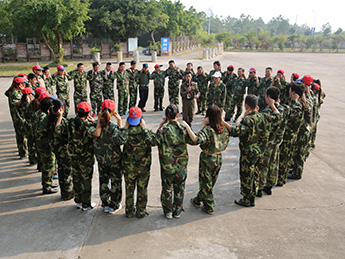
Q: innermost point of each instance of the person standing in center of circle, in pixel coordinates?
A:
(189, 92)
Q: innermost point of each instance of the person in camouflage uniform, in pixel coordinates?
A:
(32, 78)
(319, 96)
(48, 80)
(174, 74)
(44, 145)
(294, 121)
(136, 163)
(265, 82)
(280, 82)
(252, 82)
(216, 92)
(158, 78)
(238, 91)
(109, 75)
(202, 80)
(213, 138)
(229, 78)
(26, 112)
(133, 75)
(189, 68)
(252, 134)
(95, 78)
(79, 76)
(14, 95)
(303, 139)
(80, 134)
(216, 68)
(122, 86)
(60, 147)
(62, 88)
(269, 163)
(37, 70)
(171, 140)
(107, 148)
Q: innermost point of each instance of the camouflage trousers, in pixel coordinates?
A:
(133, 96)
(20, 138)
(158, 97)
(235, 103)
(65, 97)
(209, 168)
(285, 156)
(78, 98)
(249, 175)
(31, 142)
(122, 101)
(173, 91)
(96, 101)
(47, 168)
(173, 186)
(300, 152)
(64, 171)
(110, 175)
(108, 92)
(82, 170)
(201, 101)
(268, 166)
(139, 179)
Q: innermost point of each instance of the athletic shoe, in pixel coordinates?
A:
(242, 202)
(268, 190)
(196, 204)
(142, 215)
(55, 176)
(259, 193)
(208, 211)
(54, 185)
(168, 215)
(106, 209)
(78, 205)
(177, 215)
(113, 211)
(50, 191)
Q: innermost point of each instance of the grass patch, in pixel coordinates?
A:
(11, 70)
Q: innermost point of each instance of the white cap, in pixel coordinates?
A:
(217, 74)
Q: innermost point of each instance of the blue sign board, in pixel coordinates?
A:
(165, 44)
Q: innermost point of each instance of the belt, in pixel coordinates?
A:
(214, 154)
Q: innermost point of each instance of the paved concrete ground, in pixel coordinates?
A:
(304, 219)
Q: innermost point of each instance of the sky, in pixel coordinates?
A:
(306, 12)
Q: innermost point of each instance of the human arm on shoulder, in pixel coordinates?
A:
(189, 130)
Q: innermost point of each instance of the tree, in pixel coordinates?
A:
(320, 42)
(337, 40)
(157, 18)
(55, 21)
(280, 40)
(326, 29)
(293, 39)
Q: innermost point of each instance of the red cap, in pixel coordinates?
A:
(157, 65)
(316, 86)
(295, 75)
(21, 74)
(134, 116)
(281, 71)
(36, 67)
(307, 79)
(84, 107)
(61, 68)
(40, 90)
(19, 80)
(107, 103)
(43, 96)
(231, 68)
(252, 70)
(27, 90)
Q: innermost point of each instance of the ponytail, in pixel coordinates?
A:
(105, 117)
(79, 118)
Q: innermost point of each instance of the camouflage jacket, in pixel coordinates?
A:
(254, 132)
(295, 117)
(174, 76)
(13, 98)
(122, 81)
(210, 141)
(229, 81)
(184, 74)
(202, 81)
(80, 139)
(172, 140)
(308, 113)
(158, 78)
(252, 86)
(137, 150)
(62, 88)
(133, 77)
(108, 79)
(216, 95)
(49, 82)
(95, 81)
(80, 81)
(107, 145)
(43, 133)
(278, 126)
(239, 87)
(263, 85)
(283, 87)
(210, 78)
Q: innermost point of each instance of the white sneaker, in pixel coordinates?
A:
(93, 204)
(112, 211)
(78, 205)
(106, 209)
